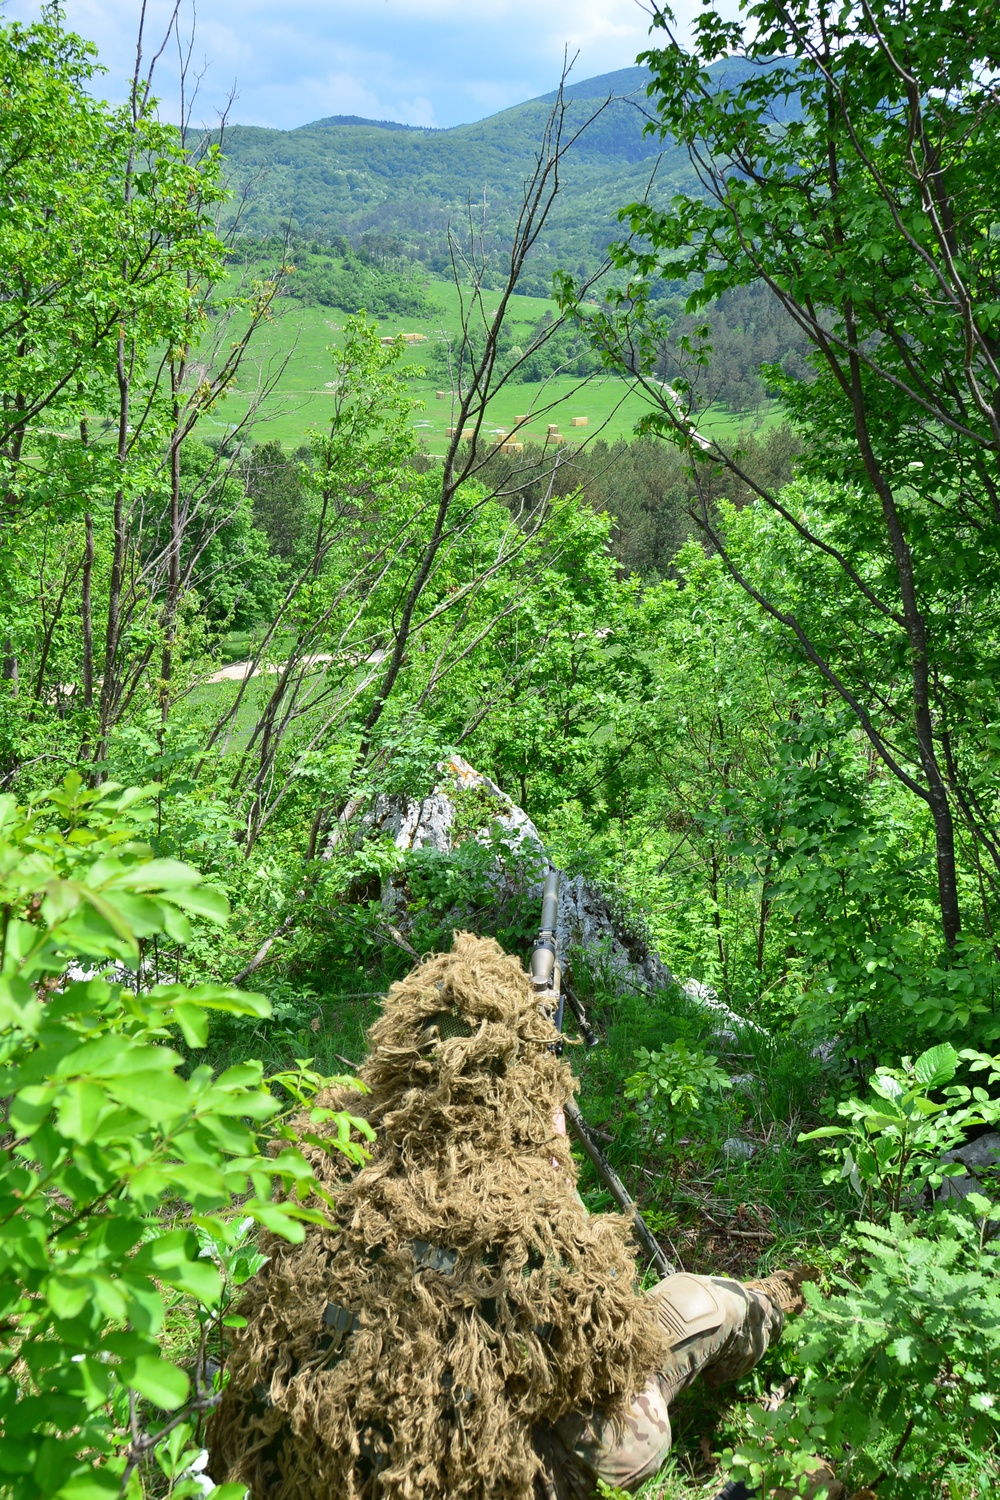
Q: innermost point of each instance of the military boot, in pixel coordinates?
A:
(784, 1288)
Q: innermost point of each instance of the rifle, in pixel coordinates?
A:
(552, 993)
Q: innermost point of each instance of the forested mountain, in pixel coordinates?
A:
(339, 176)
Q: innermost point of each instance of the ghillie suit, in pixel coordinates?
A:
(464, 1297)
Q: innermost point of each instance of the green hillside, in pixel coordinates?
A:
(392, 191)
(332, 177)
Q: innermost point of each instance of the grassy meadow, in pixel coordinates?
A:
(295, 354)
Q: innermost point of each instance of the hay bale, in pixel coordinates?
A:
(579, 421)
(461, 1296)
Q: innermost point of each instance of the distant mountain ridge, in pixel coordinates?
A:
(360, 120)
(622, 83)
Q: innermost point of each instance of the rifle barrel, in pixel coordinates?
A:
(617, 1189)
(550, 902)
(544, 958)
(547, 980)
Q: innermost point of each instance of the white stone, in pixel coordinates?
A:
(738, 1150)
(704, 996)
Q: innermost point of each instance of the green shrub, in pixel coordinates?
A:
(119, 1168)
(675, 1086)
(892, 1149)
(897, 1372)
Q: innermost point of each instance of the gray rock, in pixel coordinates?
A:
(415, 825)
(433, 821)
(979, 1157)
(704, 996)
(586, 923)
(736, 1149)
(723, 1041)
(744, 1081)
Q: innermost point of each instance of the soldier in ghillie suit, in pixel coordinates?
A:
(464, 1329)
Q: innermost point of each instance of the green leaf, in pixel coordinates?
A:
(174, 1258)
(150, 875)
(145, 1302)
(874, 1120)
(79, 1110)
(54, 1464)
(936, 1065)
(981, 1206)
(66, 1295)
(199, 1181)
(887, 1087)
(16, 1457)
(156, 1096)
(279, 1220)
(159, 1381)
(204, 901)
(193, 1024)
(30, 1107)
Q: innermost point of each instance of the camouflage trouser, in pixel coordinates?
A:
(716, 1328)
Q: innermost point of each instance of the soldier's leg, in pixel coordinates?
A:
(713, 1326)
(622, 1448)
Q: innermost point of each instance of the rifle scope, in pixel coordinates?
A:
(543, 957)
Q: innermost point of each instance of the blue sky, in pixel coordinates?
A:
(425, 62)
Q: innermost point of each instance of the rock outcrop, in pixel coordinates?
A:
(981, 1159)
(708, 1000)
(466, 804)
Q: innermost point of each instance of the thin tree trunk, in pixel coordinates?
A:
(717, 912)
(914, 623)
(916, 634)
(87, 611)
(174, 555)
(86, 599)
(110, 685)
(10, 671)
(765, 912)
(69, 574)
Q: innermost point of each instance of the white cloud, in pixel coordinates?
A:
(421, 61)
